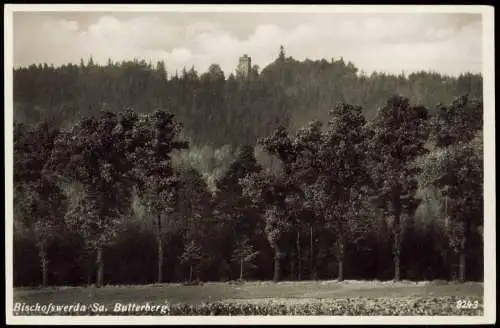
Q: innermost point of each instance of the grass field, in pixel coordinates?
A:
(296, 293)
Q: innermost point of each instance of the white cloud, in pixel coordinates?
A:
(390, 43)
(181, 55)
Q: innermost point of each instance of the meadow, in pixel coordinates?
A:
(268, 298)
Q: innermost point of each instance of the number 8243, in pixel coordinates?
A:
(464, 304)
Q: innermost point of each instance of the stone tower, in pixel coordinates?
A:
(244, 66)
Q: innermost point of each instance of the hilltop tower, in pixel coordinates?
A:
(244, 66)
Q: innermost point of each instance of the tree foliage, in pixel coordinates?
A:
(455, 168)
(39, 203)
(399, 133)
(340, 187)
(93, 155)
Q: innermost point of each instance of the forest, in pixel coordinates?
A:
(127, 173)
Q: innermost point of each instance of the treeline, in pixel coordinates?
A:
(120, 198)
(285, 93)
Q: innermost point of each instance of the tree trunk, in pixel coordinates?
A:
(241, 270)
(100, 267)
(397, 253)
(190, 272)
(44, 273)
(341, 270)
(160, 251)
(299, 257)
(461, 268)
(88, 258)
(453, 265)
(396, 202)
(277, 263)
(462, 255)
(277, 268)
(43, 264)
(89, 268)
(160, 261)
(340, 261)
(311, 255)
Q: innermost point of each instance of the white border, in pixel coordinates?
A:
(489, 165)
(253, 8)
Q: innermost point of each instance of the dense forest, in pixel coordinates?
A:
(286, 93)
(129, 174)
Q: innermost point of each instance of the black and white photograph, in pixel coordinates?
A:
(249, 164)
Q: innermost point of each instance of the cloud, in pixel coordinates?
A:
(384, 42)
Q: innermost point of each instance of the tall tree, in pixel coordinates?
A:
(194, 215)
(305, 168)
(153, 139)
(278, 193)
(37, 201)
(399, 132)
(266, 191)
(340, 187)
(93, 155)
(230, 201)
(455, 167)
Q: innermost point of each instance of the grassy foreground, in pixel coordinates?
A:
(257, 298)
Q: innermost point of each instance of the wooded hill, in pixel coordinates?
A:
(122, 175)
(286, 93)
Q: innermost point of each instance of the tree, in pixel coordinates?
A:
(191, 257)
(230, 200)
(398, 135)
(458, 171)
(161, 69)
(91, 62)
(340, 186)
(279, 194)
(244, 163)
(305, 168)
(244, 254)
(37, 201)
(194, 213)
(254, 73)
(152, 140)
(93, 155)
(456, 123)
(274, 195)
(455, 167)
(194, 200)
(215, 73)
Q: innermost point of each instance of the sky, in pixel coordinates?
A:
(383, 42)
